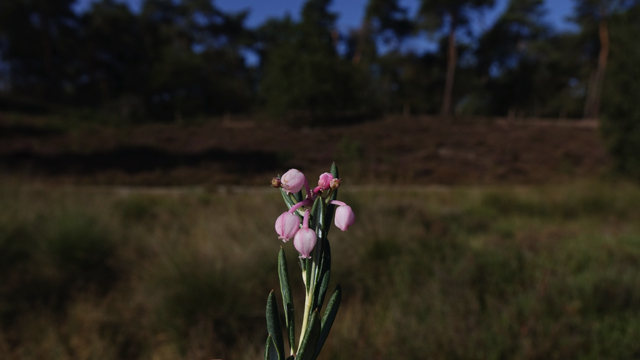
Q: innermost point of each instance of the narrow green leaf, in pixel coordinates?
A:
(318, 214)
(308, 346)
(318, 251)
(323, 280)
(298, 195)
(287, 298)
(327, 319)
(334, 170)
(328, 216)
(267, 348)
(286, 198)
(314, 212)
(321, 290)
(270, 352)
(325, 263)
(273, 325)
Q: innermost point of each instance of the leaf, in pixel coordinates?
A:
(328, 216)
(334, 170)
(270, 352)
(273, 325)
(287, 298)
(325, 271)
(313, 222)
(319, 216)
(308, 346)
(318, 256)
(286, 198)
(322, 289)
(328, 318)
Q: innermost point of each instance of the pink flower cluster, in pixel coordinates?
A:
(288, 224)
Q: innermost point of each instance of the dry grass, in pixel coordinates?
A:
(546, 272)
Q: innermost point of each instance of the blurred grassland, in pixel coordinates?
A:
(546, 272)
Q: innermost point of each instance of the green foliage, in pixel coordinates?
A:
(621, 122)
(304, 77)
(186, 59)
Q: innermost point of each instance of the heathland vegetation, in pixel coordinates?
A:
(545, 272)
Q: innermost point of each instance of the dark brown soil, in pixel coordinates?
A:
(416, 150)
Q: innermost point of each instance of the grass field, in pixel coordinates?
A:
(516, 272)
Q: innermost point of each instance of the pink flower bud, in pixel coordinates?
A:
(344, 217)
(287, 226)
(276, 183)
(324, 183)
(304, 242)
(335, 183)
(292, 181)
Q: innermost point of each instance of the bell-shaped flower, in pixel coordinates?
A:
(344, 217)
(304, 242)
(305, 239)
(292, 181)
(324, 183)
(287, 225)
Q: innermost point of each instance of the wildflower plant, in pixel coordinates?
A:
(307, 222)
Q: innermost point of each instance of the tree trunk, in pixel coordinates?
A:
(452, 62)
(363, 35)
(593, 101)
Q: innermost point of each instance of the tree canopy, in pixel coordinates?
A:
(179, 59)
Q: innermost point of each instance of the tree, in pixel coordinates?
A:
(621, 109)
(593, 16)
(196, 66)
(514, 60)
(303, 74)
(386, 22)
(115, 57)
(449, 16)
(40, 45)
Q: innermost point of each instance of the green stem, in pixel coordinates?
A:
(307, 305)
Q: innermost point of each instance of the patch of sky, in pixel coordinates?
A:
(351, 13)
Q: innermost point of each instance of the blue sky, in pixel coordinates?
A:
(350, 11)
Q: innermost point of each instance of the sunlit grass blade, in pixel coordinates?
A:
(308, 346)
(287, 298)
(273, 325)
(328, 318)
